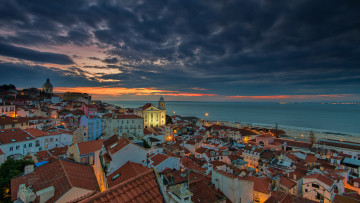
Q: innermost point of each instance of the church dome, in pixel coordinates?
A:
(47, 87)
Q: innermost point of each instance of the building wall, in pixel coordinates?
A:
(73, 153)
(171, 162)
(8, 110)
(92, 125)
(19, 148)
(154, 117)
(310, 192)
(235, 190)
(72, 194)
(260, 197)
(131, 127)
(130, 152)
(52, 141)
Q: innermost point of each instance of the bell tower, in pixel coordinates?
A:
(161, 103)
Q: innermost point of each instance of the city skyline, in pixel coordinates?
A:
(184, 50)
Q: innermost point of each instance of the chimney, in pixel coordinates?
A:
(28, 169)
(46, 194)
(25, 194)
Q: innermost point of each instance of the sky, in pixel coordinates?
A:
(210, 50)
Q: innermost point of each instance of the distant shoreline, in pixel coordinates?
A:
(296, 133)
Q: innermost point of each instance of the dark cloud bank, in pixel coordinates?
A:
(226, 47)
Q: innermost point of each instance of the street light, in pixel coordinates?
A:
(206, 114)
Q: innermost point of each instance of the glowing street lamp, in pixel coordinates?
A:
(206, 114)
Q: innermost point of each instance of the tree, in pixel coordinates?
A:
(8, 170)
(168, 120)
(312, 137)
(146, 145)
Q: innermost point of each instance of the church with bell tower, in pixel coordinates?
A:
(153, 116)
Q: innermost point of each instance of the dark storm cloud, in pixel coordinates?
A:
(235, 47)
(36, 75)
(111, 60)
(33, 55)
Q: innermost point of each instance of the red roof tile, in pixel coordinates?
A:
(141, 188)
(127, 171)
(310, 158)
(14, 135)
(321, 178)
(158, 158)
(89, 146)
(202, 192)
(260, 184)
(61, 174)
(118, 145)
(287, 182)
(39, 133)
(147, 105)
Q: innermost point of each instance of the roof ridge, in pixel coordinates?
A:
(124, 183)
(67, 176)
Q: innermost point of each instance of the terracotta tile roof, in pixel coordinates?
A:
(125, 172)
(188, 163)
(321, 178)
(342, 198)
(202, 192)
(39, 133)
(89, 146)
(147, 105)
(4, 120)
(141, 188)
(296, 175)
(293, 143)
(217, 163)
(281, 197)
(118, 145)
(111, 140)
(147, 132)
(58, 151)
(158, 158)
(201, 150)
(14, 135)
(62, 174)
(267, 155)
(286, 182)
(310, 158)
(260, 184)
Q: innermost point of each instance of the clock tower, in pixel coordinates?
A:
(161, 103)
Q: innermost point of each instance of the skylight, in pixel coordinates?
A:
(113, 145)
(13, 140)
(115, 176)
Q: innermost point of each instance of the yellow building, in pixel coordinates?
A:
(153, 116)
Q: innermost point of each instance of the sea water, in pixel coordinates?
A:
(333, 118)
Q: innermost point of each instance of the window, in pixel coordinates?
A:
(315, 185)
(306, 190)
(17, 147)
(24, 146)
(13, 125)
(51, 139)
(11, 149)
(30, 144)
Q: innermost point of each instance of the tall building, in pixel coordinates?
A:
(47, 87)
(153, 116)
